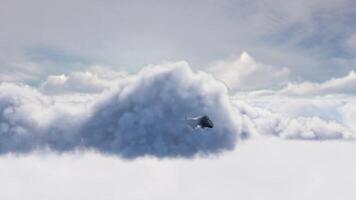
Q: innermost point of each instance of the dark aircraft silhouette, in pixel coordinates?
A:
(200, 122)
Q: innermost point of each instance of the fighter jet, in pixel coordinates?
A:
(200, 122)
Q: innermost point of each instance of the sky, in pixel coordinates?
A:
(314, 39)
(96, 98)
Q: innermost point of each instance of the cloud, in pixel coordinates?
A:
(245, 73)
(81, 82)
(261, 121)
(333, 86)
(143, 115)
(322, 170)
(335, 109)
(146, 115)
(19, 71)
(341, 85)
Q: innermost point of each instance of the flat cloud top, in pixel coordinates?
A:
(258, 169)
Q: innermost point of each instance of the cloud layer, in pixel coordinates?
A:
(341, 85)
(258, 168)
(261, 121)
(145, 114)
(344, 85)
(95, 80)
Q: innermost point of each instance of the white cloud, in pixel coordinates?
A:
(245, 73)
(141, 115)
(20, 71)
(258, 169)
(260, 121)
(95, 81)
(144, 114)
(341, 85)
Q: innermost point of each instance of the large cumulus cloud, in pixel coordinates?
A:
(141, 115)
(146, 115)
